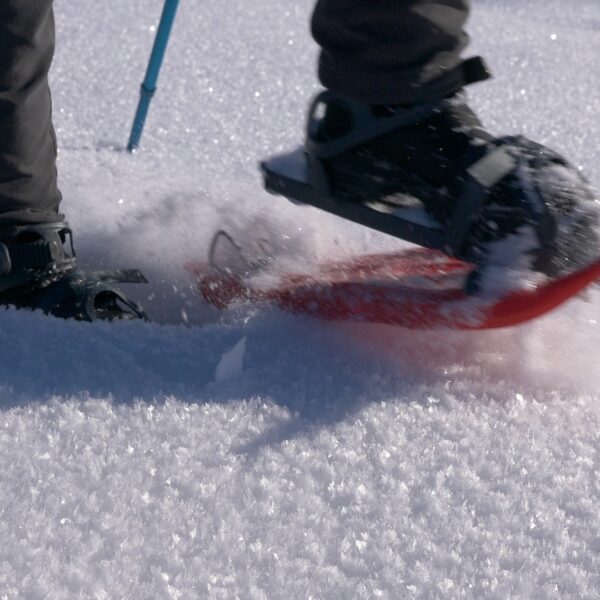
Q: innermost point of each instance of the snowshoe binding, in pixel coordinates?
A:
(430, 174)
(38, 271)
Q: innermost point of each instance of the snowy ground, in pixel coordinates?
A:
(314, 460)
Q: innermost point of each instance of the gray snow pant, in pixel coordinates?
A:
(28, 190)
(391, 51)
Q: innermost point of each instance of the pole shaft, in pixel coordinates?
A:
(148, 87)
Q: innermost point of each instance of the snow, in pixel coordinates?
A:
(231, 364)
(316, 460)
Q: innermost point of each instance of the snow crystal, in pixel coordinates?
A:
(231, 364)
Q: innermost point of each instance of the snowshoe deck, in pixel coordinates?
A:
(415, 289)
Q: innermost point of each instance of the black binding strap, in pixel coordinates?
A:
(482, 176)
(366, 126)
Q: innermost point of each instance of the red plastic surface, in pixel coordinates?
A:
(416, 289)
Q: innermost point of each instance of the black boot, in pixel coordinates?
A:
(505, 203)
(38, 271)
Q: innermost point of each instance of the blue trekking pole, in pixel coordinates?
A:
(149, 85)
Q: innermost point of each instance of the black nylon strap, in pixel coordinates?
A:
(482, 176)
(366, 125)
